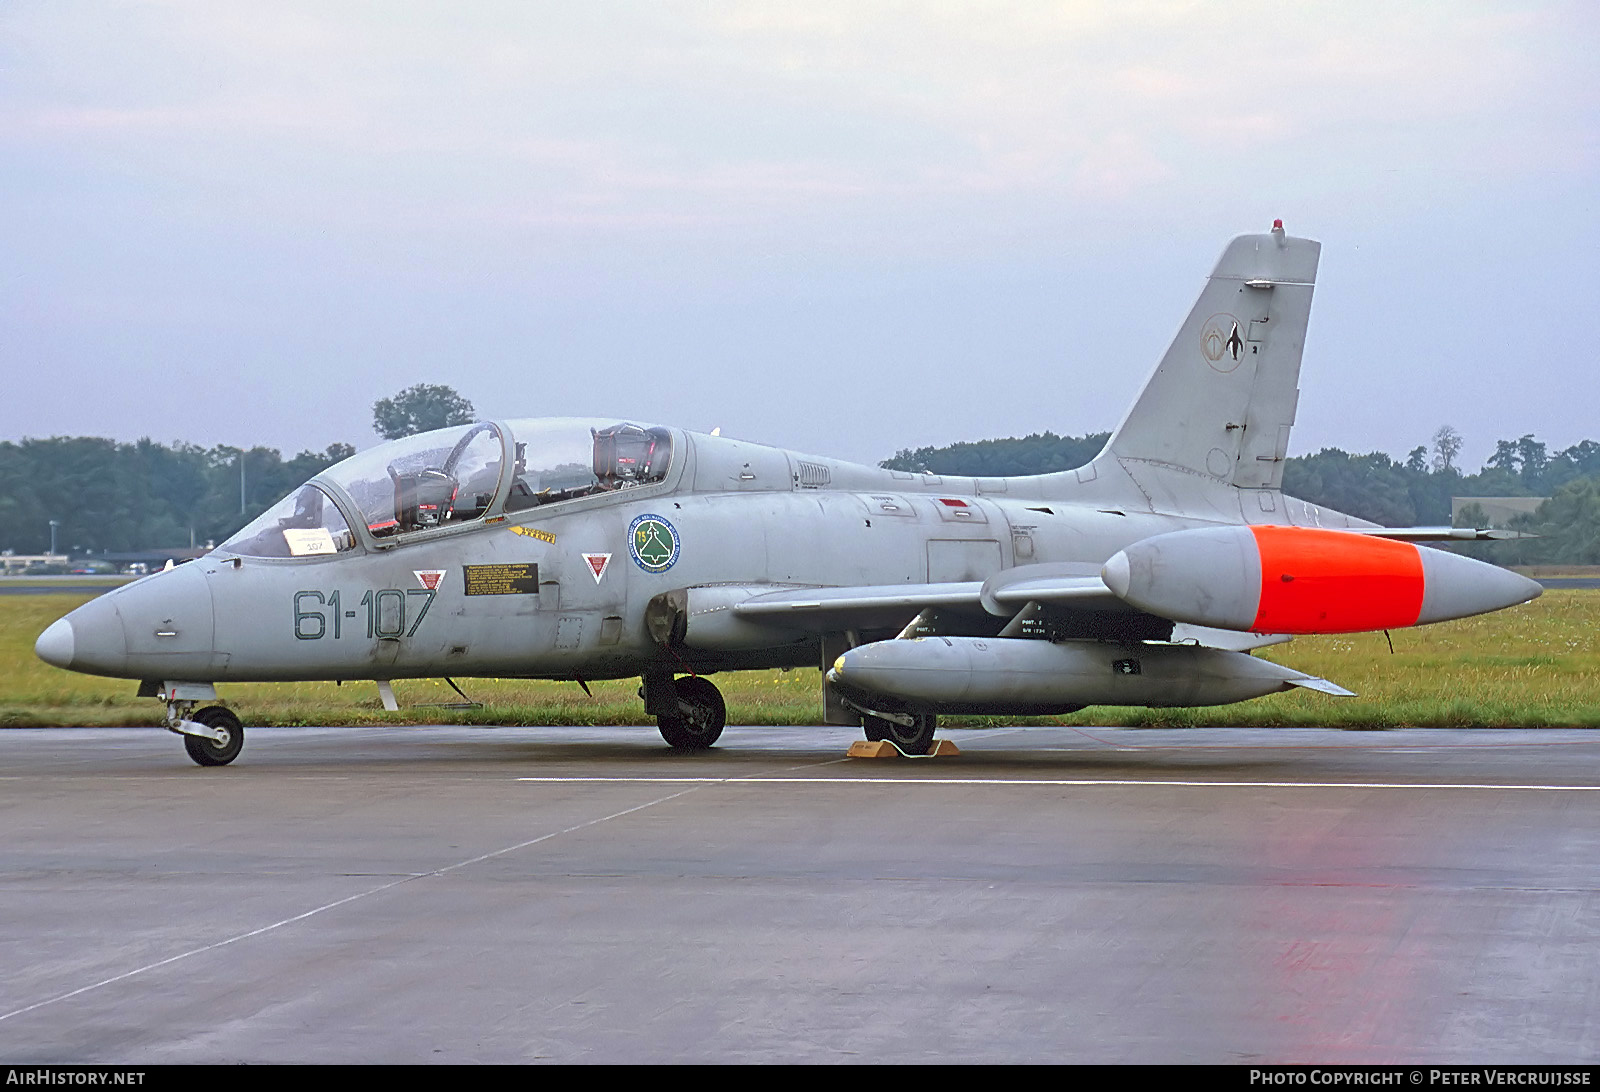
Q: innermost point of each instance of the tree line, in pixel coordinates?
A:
(114, 496)
(103, 495)
(109, 496)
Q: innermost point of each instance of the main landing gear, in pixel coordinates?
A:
(690, 712)
(911, 732)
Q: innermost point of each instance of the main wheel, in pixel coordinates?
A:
(917, 739)
(209, 753)
(696, 727)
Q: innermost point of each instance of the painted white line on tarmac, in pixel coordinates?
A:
(690, 786)
(1061, 783)
(324, 908)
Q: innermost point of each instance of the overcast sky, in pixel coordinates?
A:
(845, 227)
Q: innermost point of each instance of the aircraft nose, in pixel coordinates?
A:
(55, 644)
(160, 627)
(89, 639)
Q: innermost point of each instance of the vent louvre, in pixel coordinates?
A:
(811, 476)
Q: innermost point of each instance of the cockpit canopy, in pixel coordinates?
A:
(454, 476)
(556, 463)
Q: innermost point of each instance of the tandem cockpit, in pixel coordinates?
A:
(453, 478)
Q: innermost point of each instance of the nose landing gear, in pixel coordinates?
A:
(213, 736)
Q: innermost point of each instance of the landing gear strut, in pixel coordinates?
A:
(690, 712)
(914, 738)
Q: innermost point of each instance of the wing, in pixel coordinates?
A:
(1068, 599)
(867, 606)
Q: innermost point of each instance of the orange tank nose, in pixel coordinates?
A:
(1315, 581)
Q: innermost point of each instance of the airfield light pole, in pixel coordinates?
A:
(241, 481)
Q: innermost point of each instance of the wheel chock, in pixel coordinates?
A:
(863, 748)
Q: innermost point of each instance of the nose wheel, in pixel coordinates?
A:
(215, 752)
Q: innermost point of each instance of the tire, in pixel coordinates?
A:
(915, 740)
(702, 725)
(207, 753)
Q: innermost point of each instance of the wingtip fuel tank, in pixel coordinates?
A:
(1304, 580)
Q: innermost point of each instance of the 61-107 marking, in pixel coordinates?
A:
(385, 612)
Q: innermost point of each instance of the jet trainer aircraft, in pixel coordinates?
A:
(579, 550)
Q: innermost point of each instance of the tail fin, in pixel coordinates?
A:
(1221, 402)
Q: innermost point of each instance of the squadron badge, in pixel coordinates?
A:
(653, 543)
(1220, 342)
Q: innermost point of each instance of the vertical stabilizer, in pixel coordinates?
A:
(1218, 410)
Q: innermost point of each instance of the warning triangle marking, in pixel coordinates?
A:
(598, 564)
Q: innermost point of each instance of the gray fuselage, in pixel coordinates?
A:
(514, 594)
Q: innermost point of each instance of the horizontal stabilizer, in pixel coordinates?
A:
(1437, 534)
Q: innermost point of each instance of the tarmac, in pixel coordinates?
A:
(417, 895)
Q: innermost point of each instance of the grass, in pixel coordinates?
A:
(1536, 665)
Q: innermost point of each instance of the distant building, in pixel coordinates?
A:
(1497, 511)
(10, 562)
(140, 561)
